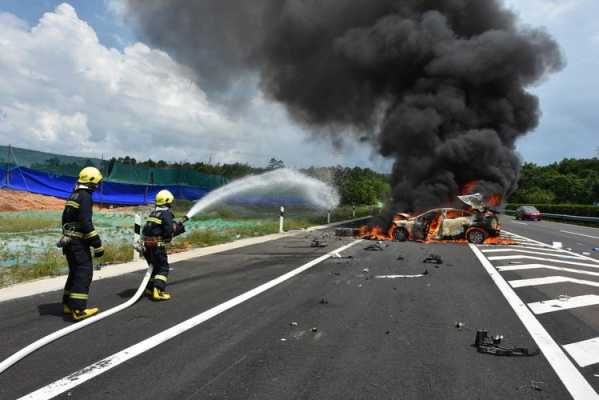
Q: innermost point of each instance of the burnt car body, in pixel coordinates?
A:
(528, 213)
(475, 225)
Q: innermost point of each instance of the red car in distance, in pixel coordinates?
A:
(528, 213)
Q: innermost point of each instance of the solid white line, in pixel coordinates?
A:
(547, 306)
(585, 353)
(519, 223)
(38, 344)
(550, 280)
(572, 379)
(543, 266)
(502, 258)
(580, 234)
(98, 368)
(515, 250)
(544, 248)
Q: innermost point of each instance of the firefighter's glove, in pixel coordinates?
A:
(178, 228)
(99, 252)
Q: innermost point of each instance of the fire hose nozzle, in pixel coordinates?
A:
(184, 219)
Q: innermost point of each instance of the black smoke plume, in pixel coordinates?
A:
(440, 86)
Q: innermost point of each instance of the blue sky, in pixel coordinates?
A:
(117, 64)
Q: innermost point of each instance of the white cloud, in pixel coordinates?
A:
(63, 91)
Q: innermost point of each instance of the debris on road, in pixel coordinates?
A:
(400, 258)
(459, 325)
(366, 270)
(347, 232)
(569, 248)
(314, 329)
(534, 385)
(283, 340)
(557, 245)
(491, 345)
(378, 246)
(323, 301)
(318, 243)
(433, 259)
(293, 323)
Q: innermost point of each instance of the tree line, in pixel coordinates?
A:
(570, 181)
(357, 186)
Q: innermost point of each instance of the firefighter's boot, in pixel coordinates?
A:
(79, 315)
(160, 295)
(149, 292)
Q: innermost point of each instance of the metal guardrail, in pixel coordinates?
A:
(563, 217)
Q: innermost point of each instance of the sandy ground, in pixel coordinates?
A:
(11, 200)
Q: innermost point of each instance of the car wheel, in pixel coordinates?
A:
(476, 236)
(401, 235)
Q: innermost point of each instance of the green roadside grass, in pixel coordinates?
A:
(53, 263)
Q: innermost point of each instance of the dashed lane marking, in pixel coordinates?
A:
(543, 266)
(77, 378)
(515, 250)
(585, 353)
(524, 257)
(580, 234)
(566, 303)
(546, 280)
(567, 372)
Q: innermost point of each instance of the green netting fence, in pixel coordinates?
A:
(61, 165)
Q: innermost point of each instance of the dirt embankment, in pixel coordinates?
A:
(11, 200)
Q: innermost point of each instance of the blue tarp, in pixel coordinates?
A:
(25, 179)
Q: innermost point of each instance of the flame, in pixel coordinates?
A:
(498, 240)
(433, 230)
(495, 200)
(468, 188)
(377, 233)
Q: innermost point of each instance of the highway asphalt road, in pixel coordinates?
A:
(341, 328)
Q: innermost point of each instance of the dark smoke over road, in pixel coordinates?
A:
(440, 86)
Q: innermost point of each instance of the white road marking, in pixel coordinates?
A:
(543, 266)
(572, 379)
(515, 250)
(79, 377)
(547, 306)
(519, 223)
(550, 280)
(585, 353)
(398, 276)
(580, 234)
(520, 257)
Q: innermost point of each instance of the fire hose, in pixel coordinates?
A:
(24, 352)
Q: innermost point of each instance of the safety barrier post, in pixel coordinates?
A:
(282, 219)
(136, 236)
(328, 217)
(353, 211)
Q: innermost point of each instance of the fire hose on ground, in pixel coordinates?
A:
(24, 352)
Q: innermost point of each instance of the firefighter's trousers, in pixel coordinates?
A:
(157, 257)
(81, 269)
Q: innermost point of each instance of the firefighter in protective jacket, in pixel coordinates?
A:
(158, 231)
(78, 236)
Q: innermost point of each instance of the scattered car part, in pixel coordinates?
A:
(433, 259)
(491, 345)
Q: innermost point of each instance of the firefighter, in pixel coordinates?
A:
(78, 236)
(158, 231)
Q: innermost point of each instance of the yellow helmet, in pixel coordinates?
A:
(90, 175)
(164, 198)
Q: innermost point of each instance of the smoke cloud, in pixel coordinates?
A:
(440, 86)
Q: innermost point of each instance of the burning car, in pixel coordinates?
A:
(475, 225)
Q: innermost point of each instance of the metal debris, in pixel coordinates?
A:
(293, 323)
(433, 259)
(402, 276)
(378, 246)
(534, 385)
(459, 325)
(314, 329)
(366, 270)
(318, 243)
(323, 301)
(492, 345)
